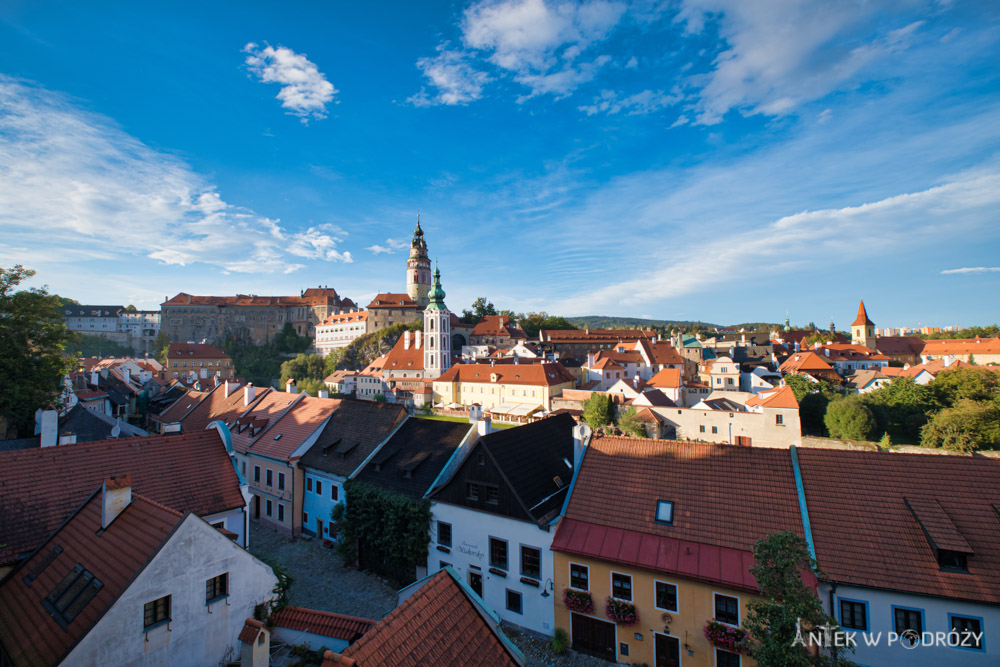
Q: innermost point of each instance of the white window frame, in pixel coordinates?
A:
(611, 585)
(569, 572)
(678, 597)
(739, 606)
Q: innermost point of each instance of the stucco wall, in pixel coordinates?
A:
(761, 428)
(198, 634)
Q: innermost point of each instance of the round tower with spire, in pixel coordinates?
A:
(418, 269)
(863, 329)
(437, 332)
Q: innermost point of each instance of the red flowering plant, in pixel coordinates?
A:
(621, 612)
(578, 601)
(727, 637)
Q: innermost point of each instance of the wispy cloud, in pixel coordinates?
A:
(305, 92)
(454, 77)
(72, 179)
(642, 103)
(971, 269)
(390, 247)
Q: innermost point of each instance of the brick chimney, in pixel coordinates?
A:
(249, 393)
(116, 495)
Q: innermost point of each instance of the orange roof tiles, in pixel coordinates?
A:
(325, 623)
(218, 406)
(805, 362)
(346, 318)
(31, 636)
(497, 325)
(594, 335)
(390, 300)
(780, 397)
(311, 296)
(251, 628)
(401, 359)
(545, 374)
(191, 471)
(294, 427)
(182, 406)
(961, 346)
(668, 378)
(862, 319)
(264, 412)
(438, 624)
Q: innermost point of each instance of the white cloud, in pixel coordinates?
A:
(971, 269)
(783, 53)
(305, 92)
(456, 80)
(390, 247)
(632, 63)
(72, 180)
(642, 103)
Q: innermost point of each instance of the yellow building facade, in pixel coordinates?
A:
(503, 384)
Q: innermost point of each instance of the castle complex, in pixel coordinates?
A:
(418, 269)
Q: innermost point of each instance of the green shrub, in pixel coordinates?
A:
(560, 641)
(850, 419)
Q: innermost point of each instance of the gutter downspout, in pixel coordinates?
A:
(803, 508)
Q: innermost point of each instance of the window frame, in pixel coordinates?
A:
(840, 613)
(524, 573)
(214, 594)
(450, 533)
(892, 618)
(631, 589)
(715, 656)
(982, 637)
(656, 517)
(715, 608)
(520, 601)
(585, 567)
(157, 621)
(268, 507)
(256, 474)
(281, 481)
(656, 598)
(506, 552)
(281, 512)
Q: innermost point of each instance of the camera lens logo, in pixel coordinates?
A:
(910, 638)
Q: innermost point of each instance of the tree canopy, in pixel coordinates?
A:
(630, 424)
(33, 337)
(598, 410)
(850, 419)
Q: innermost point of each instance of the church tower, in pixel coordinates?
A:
(418, 269)
(437, 332)
(863, 329)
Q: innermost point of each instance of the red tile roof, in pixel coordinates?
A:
(306, 417)
(546, 374)
(961, 346)
(195, 351)
(182, 406)
(325, 623)
(899, 345)
(594, 335)
(781, 397)
(805, 362)
(438, 624)
(668, 378)
(660, 352)
(862, 319)
(401, 359)
(251, 628)
(497, 325)
(42, 486)
(31, 636)
(251, 423)
(866, 535)
(345, 318)
(311, 296)
(389, 300)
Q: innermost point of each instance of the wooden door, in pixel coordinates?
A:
(476, 582)
(593, 636)
(256, 507)
(319, 528)
(668, 651)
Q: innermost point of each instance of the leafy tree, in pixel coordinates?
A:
(785, 602)
(259, 364)
(812, 413)
(630, 424)
(800, 385)
(885, 442)
(288, 340)
(977, 384)
(310, 386)
(91, 345)
(332, 358)
(967, 426)
(161, 345)
(33, 335)
(850, 419)
(365, 349)
(303, 367)
(481, 307)
(902, 406)
(597, 410)
(532, 323)
(130, 308)
(822, 337)
(988, 331)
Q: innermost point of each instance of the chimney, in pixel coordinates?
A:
(50, 428)
(127, 374)
(115, 496)
(249, 393)
(229, 388)
(324, 393)
(581, 436)
(67, 438)
(94, 378)
(291, 386)
(417, 337)
(406, 339)
(215, 380)
(475, 414)
(484, 427)
(590, 359)
(827, 351)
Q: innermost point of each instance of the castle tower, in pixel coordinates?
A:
(863, 329)
(437, 332)
(418, 269)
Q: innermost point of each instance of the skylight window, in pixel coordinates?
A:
(71, 595)
(665, 512)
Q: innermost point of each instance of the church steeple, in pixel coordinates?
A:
(437, 332)
(418, 268)
(863, 329)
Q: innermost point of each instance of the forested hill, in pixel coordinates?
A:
(610, 322)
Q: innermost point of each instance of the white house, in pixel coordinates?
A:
(494, 517)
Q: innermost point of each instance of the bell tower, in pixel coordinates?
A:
(437, 332)
(418, 269)
(863, 329)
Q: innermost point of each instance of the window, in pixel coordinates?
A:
(444, 534)
(665, 512)
(492, 495)
(256, 474)
(305, 518)
(71, 595)
(319, 488)
(498, 553)
(854, 615)
(156, 612)
(334, 492)
(309, 483)
(513, 601)
(281, 481)
(715, 429)
(281, 512)
(217, 587)
(726, 659)
(727, 609)
(969, 629)
(701, 428)
(953, 560)
(471, 491)
(270, 477)
(621, 586)
(268, 509)
(42, 564)
(909, 623)
(666, 596)
(579, 577)
(779, 419)
(531, 562)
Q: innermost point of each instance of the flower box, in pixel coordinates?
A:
(726, 637)
(621, 612)
(578, 601)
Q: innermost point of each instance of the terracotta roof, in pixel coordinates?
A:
(251, 628)
(668, 378)
(400, 359)
(195, 351)
(440, 623)
(352, 434)
(346, 318)
(961, 346)
(805, 362)
(333, 659)
(311, 296)
(90, 395)
(219, 407)
(936, 366)
(780, 397)
(866, 532)
(249, 425)
(647, 415)
(182, 406)
(325, 623)
(660, 352)
(605, 364)
(389, 300)
(654, 398)
(546, 374)
(497, 325)
(594, 335)
(295, 427)
(862, 319)
(899, 345)
(189, 472)
(31, 636)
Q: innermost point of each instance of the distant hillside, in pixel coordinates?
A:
(606, 322)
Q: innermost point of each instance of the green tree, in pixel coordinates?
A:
(967, 426)
(92, 345)
(821, 337)
(532, 323)
(130, 308)
(902, 406)
(977, 384)
(288, 340)
(597, 410)
(161, 345)
(310, 386)
(481, 307)
(850, 419)
(365, 349)
(630, 424)
(33, 336)
(303, 367)
(785, 604)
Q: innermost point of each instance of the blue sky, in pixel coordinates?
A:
(699, 159)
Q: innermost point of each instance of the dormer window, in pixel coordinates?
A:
(665, 512)
(953, 560)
